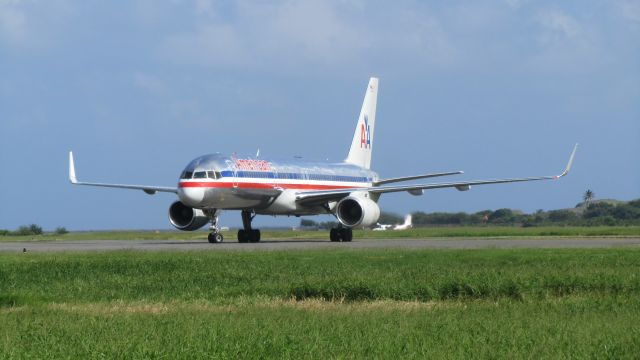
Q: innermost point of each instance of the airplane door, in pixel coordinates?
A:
(234, 169)
(276, 182)
(235, 177)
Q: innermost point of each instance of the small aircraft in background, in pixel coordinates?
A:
(382, 227)
(404, 226)
(348, 190)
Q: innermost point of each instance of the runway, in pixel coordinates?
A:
(275, 245)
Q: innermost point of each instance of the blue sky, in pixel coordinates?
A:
(138, 88)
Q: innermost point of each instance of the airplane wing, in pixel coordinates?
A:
(316, 197)
(407, 178)
(147, 189)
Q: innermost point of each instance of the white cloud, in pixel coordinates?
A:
(420, 37)
(205, 7)
(316, 31)
(31, 24)
(303, 33)
(630, 9)
(149, 82)
(12, 21)
(288, 32)
(515, 4)
(209, 45)
(568, 45)
(558, 23)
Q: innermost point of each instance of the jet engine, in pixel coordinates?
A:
(186, 218)
(354, 211)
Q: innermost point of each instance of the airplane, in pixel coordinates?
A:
(408, 224)
(404, 226)
(382, 227)
(348, 190)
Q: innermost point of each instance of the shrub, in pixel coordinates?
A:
(606, 220)
(35, 229)
(442, 218)
(22, 230)
(61, 230)
(328, 225)
(634, 203)
(600, 209)
(32, 229)
(307, 223)
(531, 220)
(626, 212)
(561, 216)
(502, 216)
(390, 218)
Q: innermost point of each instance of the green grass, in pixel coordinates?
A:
(433, 232)
(566, 329)
(332, 275)
(316, 304)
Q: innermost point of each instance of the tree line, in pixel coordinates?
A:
(32, 229)
(587, 213)
(593, 213)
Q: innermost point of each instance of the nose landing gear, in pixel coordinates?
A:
(214, 236)
(247, 234)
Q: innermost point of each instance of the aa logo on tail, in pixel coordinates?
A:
(365, 134)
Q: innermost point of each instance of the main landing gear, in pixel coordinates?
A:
(341, 234)
(248, 234)
(214, 236)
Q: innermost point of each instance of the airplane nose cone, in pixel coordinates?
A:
(191, 196)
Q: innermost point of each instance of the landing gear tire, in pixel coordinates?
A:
(255, 236)
(334, 235)
(215, 238)
(245, 236)
(346, 235)
(341, 234)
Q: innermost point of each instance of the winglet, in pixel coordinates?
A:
(568, 168)
(72, 169)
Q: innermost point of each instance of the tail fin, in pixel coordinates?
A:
(408, 220)
(360, 152)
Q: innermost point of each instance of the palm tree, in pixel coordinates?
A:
(588, 196)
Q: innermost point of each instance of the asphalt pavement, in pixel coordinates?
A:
(274, 245)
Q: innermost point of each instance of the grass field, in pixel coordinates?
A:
(318, 304)
(434, 232)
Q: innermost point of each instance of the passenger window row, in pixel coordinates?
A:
(269, 175)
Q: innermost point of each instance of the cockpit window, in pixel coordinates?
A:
(187, 175)
(213, 174)
(200, 175)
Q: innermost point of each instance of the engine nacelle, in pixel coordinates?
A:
(355, 211)
(185, 218)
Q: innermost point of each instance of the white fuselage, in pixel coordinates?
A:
(268, 187)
